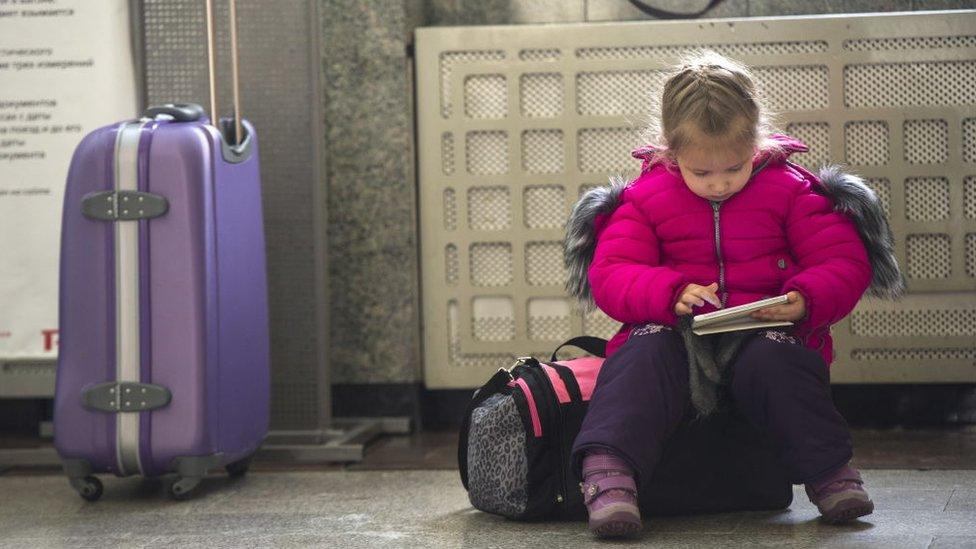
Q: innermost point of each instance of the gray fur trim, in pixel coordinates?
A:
(853, 197)
(580, 242)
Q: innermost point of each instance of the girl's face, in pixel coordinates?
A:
(713, 169)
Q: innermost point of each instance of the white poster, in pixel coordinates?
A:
(66, 68)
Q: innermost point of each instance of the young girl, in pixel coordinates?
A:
(720, 217)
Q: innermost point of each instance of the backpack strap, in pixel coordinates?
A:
(594, 345)
(569, 380)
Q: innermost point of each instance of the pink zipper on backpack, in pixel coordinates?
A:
(533, 410)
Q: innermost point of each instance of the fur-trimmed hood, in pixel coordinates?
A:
(853, 197)
(581, 230)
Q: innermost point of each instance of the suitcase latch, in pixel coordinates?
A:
(123, 205)
(115, 396)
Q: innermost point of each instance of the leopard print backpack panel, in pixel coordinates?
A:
(497, 458)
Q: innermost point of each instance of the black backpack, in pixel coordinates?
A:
(518, 431)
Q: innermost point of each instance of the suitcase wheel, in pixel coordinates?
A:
(182, 487)
(239, 468)
(190, 470)
(89, 488)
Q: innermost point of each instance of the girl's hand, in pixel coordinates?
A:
(696, 296)
(795, 309)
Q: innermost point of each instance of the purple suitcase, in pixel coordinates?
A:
(164, 353)
(164, 358)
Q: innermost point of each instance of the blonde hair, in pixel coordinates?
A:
(717, 96)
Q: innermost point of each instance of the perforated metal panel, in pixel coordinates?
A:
(817, 136)
(278, 97)
(516, 122)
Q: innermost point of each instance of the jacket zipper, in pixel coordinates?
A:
(723, 297)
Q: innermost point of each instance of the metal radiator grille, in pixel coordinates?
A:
(919, 84)
(817, 136)
(541, 94)
(733, 50)
(543, 113)
(867, 142)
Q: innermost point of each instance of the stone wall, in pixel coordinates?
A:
(372, 210)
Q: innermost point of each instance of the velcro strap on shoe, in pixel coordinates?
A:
(591, 490)
(844, 474)
(850, 474)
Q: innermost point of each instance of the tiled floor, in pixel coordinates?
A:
(874, 449)
(407, 494)
(946, 449)
(429, 509)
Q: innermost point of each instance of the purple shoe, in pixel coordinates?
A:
(610, 495)
(840, 496)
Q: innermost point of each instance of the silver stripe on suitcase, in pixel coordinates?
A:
(127, 311)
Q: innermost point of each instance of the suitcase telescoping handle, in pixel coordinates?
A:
(212, 67)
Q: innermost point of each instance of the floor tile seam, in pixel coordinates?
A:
(951, 495)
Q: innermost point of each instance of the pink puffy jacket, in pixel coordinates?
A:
(773, 236)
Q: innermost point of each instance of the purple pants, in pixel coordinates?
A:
(783, 388)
